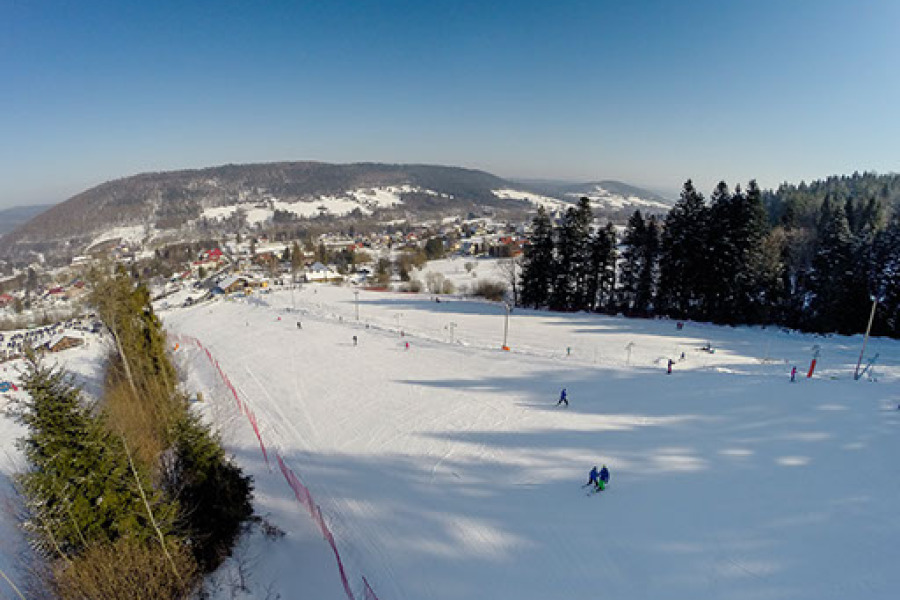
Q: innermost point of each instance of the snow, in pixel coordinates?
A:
(445, 471)
(129, 234)
(602, 198)
(366, 200)
(552, 204)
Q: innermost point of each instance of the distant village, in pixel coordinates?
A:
(40, 304)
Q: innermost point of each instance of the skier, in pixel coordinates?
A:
(793, 374)
(354, 340)
(562, 398)
(407, 345)
(592, 476)
(602, 481)
(669, 369)
(299, 326)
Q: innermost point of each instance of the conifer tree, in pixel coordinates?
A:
(537, 264)
(648, 278)
(831, 267)
(631, 296)
(601, 279)
(722, 254)
(749, 224)
(582, 269)
(565, 267)
(683, 255)
(885, 281)
(80, 487)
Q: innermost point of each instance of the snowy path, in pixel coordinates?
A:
(446, 471)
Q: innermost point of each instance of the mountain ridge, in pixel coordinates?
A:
(234, 196)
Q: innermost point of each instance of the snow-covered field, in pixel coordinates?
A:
(365, 200)
(445, 470)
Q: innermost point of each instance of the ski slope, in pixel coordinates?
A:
(445, 470)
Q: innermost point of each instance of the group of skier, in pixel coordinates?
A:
(599, 479)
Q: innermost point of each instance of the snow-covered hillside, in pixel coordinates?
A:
(601, 199)
(445, 470)
(365, 200)
(551, 204)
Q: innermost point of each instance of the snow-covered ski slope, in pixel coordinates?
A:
(446, 471)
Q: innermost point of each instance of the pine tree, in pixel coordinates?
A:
(722, 259)
(831, 270)
(566, 265)
(750, 227)
(648, 277)
(885, 280)
(581, 264)
(683, 255)
(80, 488)
(537, 264)
(631, 296)
(213, 492)
(601, 278)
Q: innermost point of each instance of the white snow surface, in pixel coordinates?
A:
(128, 234)
(600, 198)
(364, 199)
(532, 198)
(603, 198)
(446, 470)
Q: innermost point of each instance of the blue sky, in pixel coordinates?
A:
(648, 92)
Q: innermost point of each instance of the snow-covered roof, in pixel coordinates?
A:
(231, 280)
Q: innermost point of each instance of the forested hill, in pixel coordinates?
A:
(798, 205)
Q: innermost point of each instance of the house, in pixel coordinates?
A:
(319, 272)
(63, 342)
(231, 284)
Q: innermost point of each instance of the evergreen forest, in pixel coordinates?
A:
(814, 257)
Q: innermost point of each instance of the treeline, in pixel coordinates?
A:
(132, 496)
(790, 258)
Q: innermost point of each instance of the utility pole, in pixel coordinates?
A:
(506, 326)
(865, 339)
(356, 293)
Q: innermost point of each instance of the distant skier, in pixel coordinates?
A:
(602, 481)
(669, 368)
(562, 398)
(354, 340)
(793, 374)
(592, 476)
(299, 326)
(407, 345)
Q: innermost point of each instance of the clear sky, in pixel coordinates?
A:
(648, 92)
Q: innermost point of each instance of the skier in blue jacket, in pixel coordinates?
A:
(601, 481)
(592, 476)
(562, 398)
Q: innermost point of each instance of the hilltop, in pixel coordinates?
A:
(294, 196)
